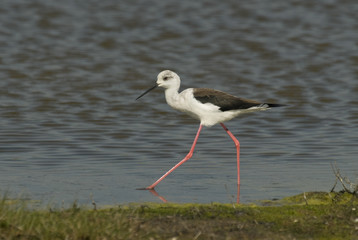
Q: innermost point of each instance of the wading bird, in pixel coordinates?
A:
(209, 106)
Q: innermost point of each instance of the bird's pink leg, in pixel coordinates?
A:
(187, 157)
(237, 145)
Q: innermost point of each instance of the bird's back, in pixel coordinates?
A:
(223, 100)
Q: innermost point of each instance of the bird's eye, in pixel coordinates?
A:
(165, 78)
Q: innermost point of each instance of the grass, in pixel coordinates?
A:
(305, 216)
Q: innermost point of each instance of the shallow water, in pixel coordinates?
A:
(70, 71)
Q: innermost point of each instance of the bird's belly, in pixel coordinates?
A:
(209, 116)
(210, 119)
(188, 111)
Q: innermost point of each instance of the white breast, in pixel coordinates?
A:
(208, 114)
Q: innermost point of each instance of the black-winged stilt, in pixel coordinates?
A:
(209, 106)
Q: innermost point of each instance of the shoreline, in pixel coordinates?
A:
(312, 215)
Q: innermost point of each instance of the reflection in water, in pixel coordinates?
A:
(163, 199)
(152, 191)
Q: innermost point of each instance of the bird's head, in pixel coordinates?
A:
(166, 79)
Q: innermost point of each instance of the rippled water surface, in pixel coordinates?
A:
(70, 72)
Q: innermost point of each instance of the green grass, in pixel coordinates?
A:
(305, 216)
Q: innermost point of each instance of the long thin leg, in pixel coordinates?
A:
(187, 157)
(237, 145)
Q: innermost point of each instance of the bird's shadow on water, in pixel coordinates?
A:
(163, 199)
(153, 192)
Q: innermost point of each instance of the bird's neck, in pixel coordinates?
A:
(172, 97)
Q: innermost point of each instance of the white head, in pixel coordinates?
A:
(168, 79)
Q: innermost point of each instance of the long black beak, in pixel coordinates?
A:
(150, 89)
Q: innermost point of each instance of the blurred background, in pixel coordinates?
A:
(70, 128)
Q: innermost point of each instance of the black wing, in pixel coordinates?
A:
(224, 100)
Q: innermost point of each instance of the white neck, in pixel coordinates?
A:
(172, 97)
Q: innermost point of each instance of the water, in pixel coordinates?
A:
(70, 71)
